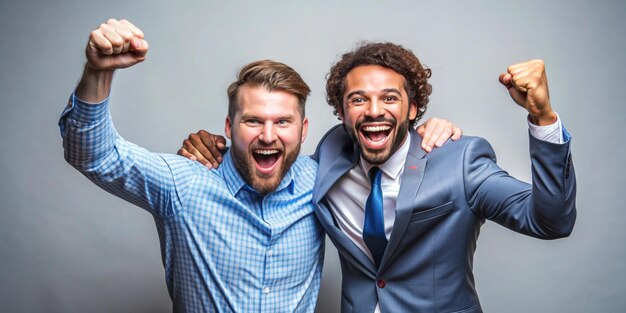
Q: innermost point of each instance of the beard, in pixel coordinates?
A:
(263, 183)
(380, 156)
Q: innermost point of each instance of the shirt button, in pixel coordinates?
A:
(266, 290)
(381, 283)
(270, 253)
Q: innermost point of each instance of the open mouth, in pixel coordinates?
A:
(266, 159)
(375, 136)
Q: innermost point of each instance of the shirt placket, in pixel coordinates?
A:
(268, 292)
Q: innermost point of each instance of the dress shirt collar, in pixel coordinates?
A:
(393, 167)
(235, 181)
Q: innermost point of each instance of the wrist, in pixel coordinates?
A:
(545, 119)
(95, 84)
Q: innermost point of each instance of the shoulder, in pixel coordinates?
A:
(335, 143)
(335, 139)
(304, 165)
(185, 169)
(303, 171)
(177, 161)
(462, 147)
(462, 143)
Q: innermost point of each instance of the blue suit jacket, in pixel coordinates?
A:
(445, 196)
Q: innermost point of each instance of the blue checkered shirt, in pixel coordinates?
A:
(225, 247)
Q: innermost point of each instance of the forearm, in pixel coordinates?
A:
(543, 119)
(545, 209)
(553, 189)
(94, 85)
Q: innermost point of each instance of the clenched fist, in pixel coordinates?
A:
(528, 86)
(115, 44)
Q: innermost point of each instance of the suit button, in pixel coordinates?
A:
(381, 283)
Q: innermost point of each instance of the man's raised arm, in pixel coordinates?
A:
(547, 209)
(93, 146)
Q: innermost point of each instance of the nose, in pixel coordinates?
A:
(374, 109)
(268, 133)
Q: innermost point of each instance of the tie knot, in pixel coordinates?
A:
(375, 175)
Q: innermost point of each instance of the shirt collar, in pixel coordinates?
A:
(393, 167)
(235, 182)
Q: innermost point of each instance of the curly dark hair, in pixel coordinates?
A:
(388, 55)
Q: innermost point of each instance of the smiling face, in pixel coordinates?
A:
(266, 133)
(376, 111)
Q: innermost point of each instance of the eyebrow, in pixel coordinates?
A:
(255, 116)
(391, 90)
(361, 92)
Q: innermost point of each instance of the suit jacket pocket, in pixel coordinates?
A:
(427, 214)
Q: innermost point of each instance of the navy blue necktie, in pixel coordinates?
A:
(374, 226)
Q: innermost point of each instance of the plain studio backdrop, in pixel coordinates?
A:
(67, 246)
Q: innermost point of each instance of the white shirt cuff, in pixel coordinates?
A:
(551, 133)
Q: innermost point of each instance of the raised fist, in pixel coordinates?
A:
(116, 44)
(528, 86)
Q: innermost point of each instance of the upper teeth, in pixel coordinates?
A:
(266, 152)
(376, 128)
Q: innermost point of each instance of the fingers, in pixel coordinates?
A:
(213, 141)
(98, 42)
(116, 44)
(505, 79)
(185, 153)
(420, 130)
(116, 37)
(526, 75)
(211, 146)
(139, 47)
(435, 132)
(517, 95)
(521, 82)
(220, 142)
(203, 150)
(192, 148)
(456, 133)
(528, 86)
(206, 147)
(429, 128)
(134, 29)
(211, 152)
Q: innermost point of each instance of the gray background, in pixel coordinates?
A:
(66, 246)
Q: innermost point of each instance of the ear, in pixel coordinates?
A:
(227, 127)
(305, 128)
(412, 110)
(340, 112)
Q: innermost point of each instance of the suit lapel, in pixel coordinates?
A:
(340, 156)
(410, 183)
(328, 175)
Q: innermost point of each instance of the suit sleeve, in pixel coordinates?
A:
(93, 146)
(546, 209)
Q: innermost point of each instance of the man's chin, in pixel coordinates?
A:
(376, 157)
(266, 182)
(265, 186)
